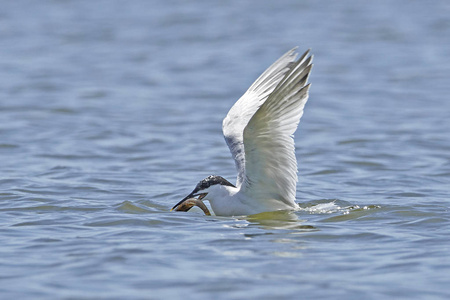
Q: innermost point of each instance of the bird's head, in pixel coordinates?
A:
(201, 190)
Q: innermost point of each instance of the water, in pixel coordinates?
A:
(111, 112)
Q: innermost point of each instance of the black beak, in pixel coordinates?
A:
(191, 195)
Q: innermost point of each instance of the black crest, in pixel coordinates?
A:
(211, 180)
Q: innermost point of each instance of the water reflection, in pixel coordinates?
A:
(279, 220)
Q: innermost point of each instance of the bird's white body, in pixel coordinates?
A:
(229, 201)
(259, 131)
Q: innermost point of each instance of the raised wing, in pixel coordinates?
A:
(270, 163)
(242, 111)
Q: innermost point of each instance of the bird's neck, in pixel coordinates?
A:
(221, 198)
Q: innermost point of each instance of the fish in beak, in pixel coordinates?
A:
(190, 201)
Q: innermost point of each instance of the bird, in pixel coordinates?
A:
(259, 131)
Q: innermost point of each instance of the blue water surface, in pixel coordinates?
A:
(111, 112)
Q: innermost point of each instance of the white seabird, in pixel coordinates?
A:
(259, 131)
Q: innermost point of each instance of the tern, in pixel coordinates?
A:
(259, 131)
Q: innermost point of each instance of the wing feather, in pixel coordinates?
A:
(243, 110)
(269, 149)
